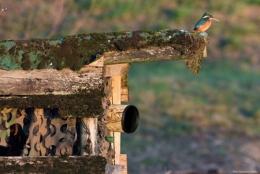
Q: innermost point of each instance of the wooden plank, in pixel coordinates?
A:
(149, 54)
(123, 161)
(117, 144)
(116, 70)
(50, 81)
(116, 99)
(57, 165)
(76, 105)
(116, 85)
(182, 46)
(124, 88)
(125, 94)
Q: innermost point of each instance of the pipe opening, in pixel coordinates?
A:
(130, 119)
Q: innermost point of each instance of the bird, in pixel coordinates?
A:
(204, 23)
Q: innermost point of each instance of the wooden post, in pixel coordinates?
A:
(116, 99)
(124, 89)
(123, 161)
(118, 75)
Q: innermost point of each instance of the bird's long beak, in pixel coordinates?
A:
(215, 19)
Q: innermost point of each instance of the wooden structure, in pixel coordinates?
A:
(60, 98)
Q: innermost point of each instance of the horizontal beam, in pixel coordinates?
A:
(74, 52)
(51, 81)
(76, 93)
(57, 165)
(77, 105)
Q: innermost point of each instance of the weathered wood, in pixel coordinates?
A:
(114, 118)
(116, 70)
(119, 70)
(124, 88)
(123, 161)
(88, 136)
(122, 118)
(124, 94)
(76, 93)
(50, 165)
(74, 52)
(50, 81)
(78, 105)
(150, 54)
(116, 99)
(116, 89)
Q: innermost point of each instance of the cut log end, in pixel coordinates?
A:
(122, 118)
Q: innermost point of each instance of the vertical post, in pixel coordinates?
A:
(116, 99)
(118, 77)
(123, 161)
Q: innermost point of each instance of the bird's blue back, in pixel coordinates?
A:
(201, 22)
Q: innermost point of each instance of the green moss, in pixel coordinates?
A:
(75, 51)
(26, 62)
(3, 50)
(84, 104)
(57, 165)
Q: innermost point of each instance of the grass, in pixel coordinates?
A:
(219, 82)
(175, 103)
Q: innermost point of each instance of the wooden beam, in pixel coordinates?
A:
(73, 52)
(84, 105)
(57, 165)
(76, 93)
(116, 99)
(149, 54)
(116, 70)
(50, 81)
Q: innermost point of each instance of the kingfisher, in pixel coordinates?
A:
(204, 23)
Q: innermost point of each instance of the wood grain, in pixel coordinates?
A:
(50, 81)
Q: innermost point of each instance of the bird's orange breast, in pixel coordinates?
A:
(205, 26)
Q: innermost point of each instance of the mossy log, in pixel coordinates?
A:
(50, 165)
(117, 47)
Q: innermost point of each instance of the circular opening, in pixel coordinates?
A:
(130, 119)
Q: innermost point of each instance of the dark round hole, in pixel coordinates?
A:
(130, 119)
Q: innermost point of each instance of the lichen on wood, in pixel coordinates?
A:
(51, 81)
(50, 165)
(76, 105)
(117, 47)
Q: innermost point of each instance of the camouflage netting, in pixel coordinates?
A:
(36, 132)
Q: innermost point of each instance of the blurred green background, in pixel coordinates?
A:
(188, 122)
